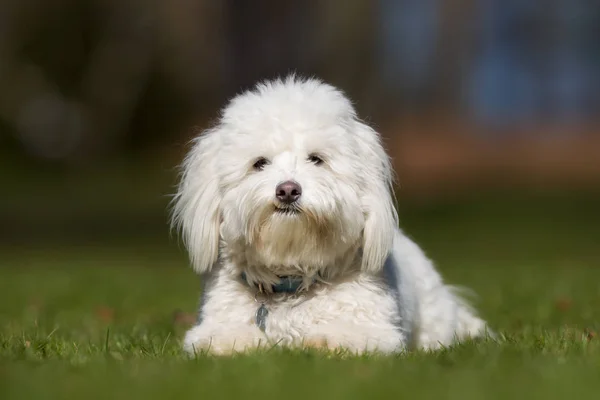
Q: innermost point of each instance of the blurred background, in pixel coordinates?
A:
(475, 98)
(489, 108)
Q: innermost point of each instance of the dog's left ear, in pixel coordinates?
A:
(381, 218)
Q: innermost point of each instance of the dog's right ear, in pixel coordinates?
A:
(196, 206)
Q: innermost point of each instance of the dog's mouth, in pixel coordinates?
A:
(287, 211)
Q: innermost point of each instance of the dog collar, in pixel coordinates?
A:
(287, 283)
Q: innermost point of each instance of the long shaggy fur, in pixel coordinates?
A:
(365, 285)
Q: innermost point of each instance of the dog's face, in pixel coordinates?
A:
(291, 194)
(289, 181)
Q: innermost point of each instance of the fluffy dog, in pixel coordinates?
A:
(287, 210)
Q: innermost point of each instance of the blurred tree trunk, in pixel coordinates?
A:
(329, 39)
(268, 39)
(192, 56)
(345, 49)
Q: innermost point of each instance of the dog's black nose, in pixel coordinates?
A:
(288, 192)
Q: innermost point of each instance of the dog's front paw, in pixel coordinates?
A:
(354, 340)
(223, 341)
(320, 343)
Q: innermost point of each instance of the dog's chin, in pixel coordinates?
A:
(296, 239)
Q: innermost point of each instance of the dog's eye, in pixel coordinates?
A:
(315, 159)
(259, 164)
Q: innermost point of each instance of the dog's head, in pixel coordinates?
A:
(289, 178)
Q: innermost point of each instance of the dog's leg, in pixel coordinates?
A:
(353, 338)
(446, 318)
(443, 317)
(207, 338)
(227, 319)
(357, 316)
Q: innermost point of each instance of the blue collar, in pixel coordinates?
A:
(287, 284)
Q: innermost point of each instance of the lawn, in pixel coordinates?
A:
(104, 318)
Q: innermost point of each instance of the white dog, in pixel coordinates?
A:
(286, 208)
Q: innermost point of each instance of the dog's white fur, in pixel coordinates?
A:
(367, 287)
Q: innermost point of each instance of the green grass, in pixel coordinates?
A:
(105, 319)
